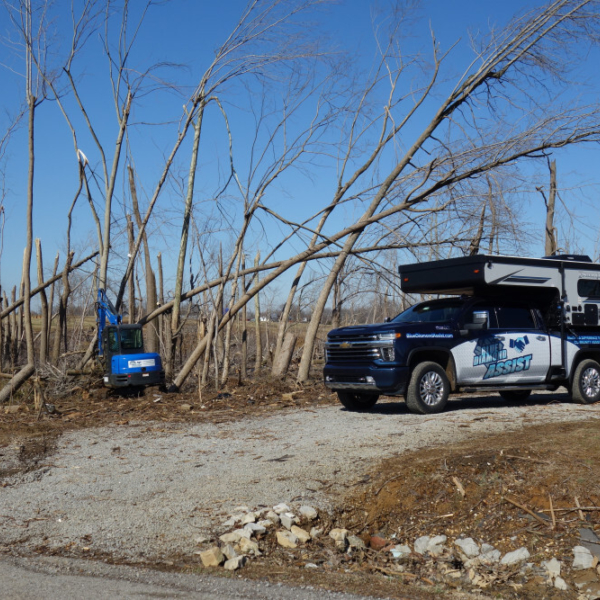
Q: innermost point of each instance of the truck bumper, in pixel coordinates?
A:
(391, 381)
(134, 379)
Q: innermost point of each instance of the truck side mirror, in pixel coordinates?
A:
(480, 321)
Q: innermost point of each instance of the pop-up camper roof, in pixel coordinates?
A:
(575, 280)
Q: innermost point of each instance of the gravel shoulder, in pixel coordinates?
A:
(144, 492)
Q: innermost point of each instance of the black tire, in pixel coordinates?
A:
(358, 401)
(428, 389)
(585, 388)
(515, 395)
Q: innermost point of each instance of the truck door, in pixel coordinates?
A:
(513, 349)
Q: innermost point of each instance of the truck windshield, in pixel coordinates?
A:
(430, 312)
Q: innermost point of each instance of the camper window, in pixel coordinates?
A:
(588, 288)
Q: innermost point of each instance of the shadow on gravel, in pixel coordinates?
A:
(394, 406)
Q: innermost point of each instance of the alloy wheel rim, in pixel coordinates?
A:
(590, 382)
(431, 388)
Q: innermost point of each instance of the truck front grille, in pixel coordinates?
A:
(354, 349)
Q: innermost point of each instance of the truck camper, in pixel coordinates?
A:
(506, 324)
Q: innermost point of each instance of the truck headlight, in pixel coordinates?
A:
(388, 354)
(391, 335)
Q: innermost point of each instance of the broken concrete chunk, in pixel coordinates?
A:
(421, 544)
(287, 520)
(243, 533)
(230, 538)
(287, 539)
(489, 555)
(229, 551)
(468, 547)
(560, 584)
(281, 508)
(435, 547)
(265, 523)
(247, 546)
(308, 513)
(338, 535)
(401, 551)
(302, 535)
(273, 517)
(237, 562)
(552, 567)
(590, 540)
(231, 522)
(355, 542)
(255, 529)
(315, 532)
(517, 556)
(248, 518)
(583, 558)
(212, 557)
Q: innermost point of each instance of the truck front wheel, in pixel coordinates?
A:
(358, 401)
(428, 389)
(585, 388)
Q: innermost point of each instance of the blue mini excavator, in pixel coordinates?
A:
(121, 349)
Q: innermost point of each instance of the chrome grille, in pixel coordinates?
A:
(354, 348)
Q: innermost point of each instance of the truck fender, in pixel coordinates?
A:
(437, 354)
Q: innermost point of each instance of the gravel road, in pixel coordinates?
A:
(55, 578)
(146, 491)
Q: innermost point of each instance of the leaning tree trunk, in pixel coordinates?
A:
(282, 361)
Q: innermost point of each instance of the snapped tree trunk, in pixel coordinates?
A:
(44, 304)
(61, 328)
(284, 358)
(258, 356)
(551, 246)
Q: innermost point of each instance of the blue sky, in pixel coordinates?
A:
(186, 32)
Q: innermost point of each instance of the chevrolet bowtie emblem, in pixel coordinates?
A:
(345, 345)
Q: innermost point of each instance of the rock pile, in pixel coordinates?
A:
(461, 563)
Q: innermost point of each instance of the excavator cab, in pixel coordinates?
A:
(121, 348)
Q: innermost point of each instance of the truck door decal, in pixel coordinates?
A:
(487, 350)
(506, 367)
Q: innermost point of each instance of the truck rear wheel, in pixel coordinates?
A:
(358, 401)
(428, 389)
(585, 388)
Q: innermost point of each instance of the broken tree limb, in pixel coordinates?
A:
(528, 511)
(39, 288)
(16, 382)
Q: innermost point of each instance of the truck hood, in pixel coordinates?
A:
(381, 328)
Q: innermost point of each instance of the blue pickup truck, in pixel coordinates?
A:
(506, 324)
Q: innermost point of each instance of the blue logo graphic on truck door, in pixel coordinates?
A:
(490, 352)
(519, 343)
(488, 349)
